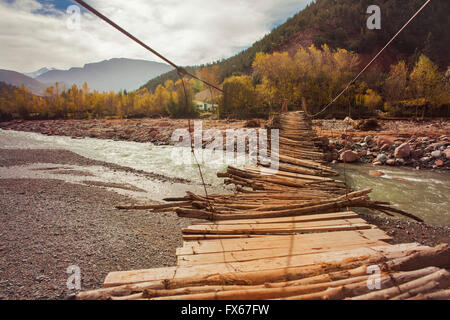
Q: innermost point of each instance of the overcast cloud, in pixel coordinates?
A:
(34, 34)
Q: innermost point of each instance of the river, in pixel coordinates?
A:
(423, 193)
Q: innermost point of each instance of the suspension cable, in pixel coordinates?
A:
(370, 63)
(129, 35)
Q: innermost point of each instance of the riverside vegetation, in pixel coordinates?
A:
(311, 76)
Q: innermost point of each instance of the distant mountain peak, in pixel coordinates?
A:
(108, 75)
(18, 79)
(39, 72)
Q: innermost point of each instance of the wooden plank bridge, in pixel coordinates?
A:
(289, 234)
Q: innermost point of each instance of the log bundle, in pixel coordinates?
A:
(285, 234)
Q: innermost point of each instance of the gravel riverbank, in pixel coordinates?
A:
(47, 225)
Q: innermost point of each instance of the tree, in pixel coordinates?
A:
(239, 98)
(395, 87)
(428, 83)
(279, 76)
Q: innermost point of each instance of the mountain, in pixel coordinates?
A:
(37, 73)
(17, 79)
(342, 23)
(109, 75)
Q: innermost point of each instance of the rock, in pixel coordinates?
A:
(400, 161)
(367, 125)
(324, 141)
(436, 146)
(377, 163)
(348, 156)
(416, 154)
(402, 151)
(382, 158)
(447, 153)
(385, 147)
(368, 138)
(152, 134)
(439, 163)
(376, 173)
(436, 154)
(390, 162)
(349, 121)
(425, 159)
(384, 140)
(362, 153)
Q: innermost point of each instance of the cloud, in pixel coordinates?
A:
(35, 33)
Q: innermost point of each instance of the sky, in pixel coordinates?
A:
(42, 33)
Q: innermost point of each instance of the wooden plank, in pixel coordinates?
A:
(305, 218)
(251, 255)
(269, 242)
(288, 226)
(389, 252)
(196, 237)
(295, 229)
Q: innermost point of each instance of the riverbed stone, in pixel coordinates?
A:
(368, 139)
(384, 140)
(376, 173)
(402, 151)
(382, 158)
(385, 147)
(417, 154)
(390, 162)
(436, 154)
(447, 153)
(439, 163)
(349, 156)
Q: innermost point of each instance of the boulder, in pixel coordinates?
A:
(417, 154)
(447, 153)
(390, 162)
(382, 140)
(402, 151)
(368, 138)
(348, 156)
(436, 154)
(439, 163)
(382, 158)
(376, 173)
(385, 147)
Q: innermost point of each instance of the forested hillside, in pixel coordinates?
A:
(342, 24)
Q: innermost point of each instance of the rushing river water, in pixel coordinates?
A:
(423, 193)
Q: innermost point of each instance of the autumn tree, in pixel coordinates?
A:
(239, 98)
(428, 83)
(395, 87)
